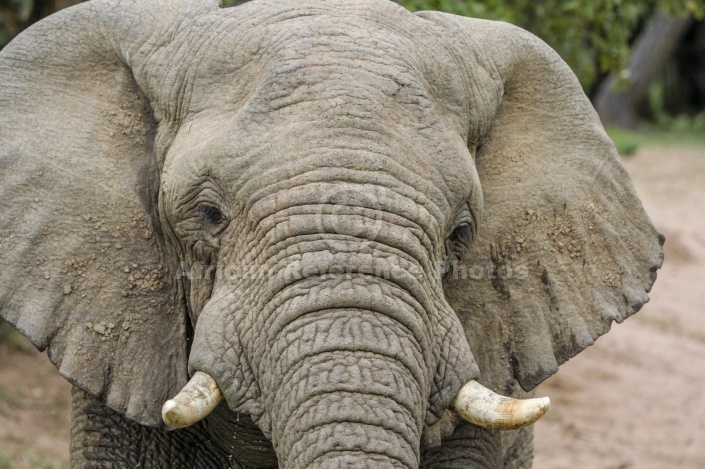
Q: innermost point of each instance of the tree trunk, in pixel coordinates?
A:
(651, 52)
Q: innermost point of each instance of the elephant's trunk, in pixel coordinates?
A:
(349, 391)
(336, 340)
(331, 329)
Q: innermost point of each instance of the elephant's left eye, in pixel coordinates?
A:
(210, 213)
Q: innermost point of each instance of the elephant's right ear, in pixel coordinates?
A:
(565, 247)
(83, 269)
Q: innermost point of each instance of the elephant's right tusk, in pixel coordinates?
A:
(198, 398)
(487, 409)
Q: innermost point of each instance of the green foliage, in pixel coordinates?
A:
(687, 133)
(5, 461)
(232, 3)
(12, 341)
(17, 15)
(663, 129)
(626, 142)
(592, 36)
(682, 123)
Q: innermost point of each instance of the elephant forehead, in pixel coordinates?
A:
(232, 48)
(340, 86)
(307, 60)
(305, 153)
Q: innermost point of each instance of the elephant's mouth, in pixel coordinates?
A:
(346, 382)
(474, 403)
(352, 354)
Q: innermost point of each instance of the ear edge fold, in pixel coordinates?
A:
(86, 277)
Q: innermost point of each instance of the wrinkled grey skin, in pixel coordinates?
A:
(339, 210)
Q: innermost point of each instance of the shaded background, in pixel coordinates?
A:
(635, 399)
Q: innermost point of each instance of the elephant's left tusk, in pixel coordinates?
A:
(198, 398)
(487, 409)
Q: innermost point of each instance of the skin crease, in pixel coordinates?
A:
(402, 213)
(296, 198)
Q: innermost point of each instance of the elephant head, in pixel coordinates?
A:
(333, 214)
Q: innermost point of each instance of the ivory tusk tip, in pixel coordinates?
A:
(541, 406)
(195, 401)
(546, 404)
(484, 408)
(171, 414)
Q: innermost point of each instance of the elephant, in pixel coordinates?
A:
(313, 234)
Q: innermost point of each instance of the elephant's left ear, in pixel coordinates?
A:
(82, 268)
(565, 247)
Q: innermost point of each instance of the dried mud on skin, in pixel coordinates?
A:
(633, 400)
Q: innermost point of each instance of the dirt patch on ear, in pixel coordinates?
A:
(635, 399)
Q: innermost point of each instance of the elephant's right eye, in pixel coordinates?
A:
(210, 213)
(462, 233)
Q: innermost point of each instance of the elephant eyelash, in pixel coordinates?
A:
(210, 213)
(462, 233)
(458, 241)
